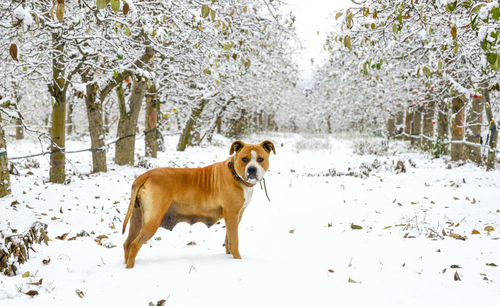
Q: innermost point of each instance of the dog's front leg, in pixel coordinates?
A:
(226, 241)
(232, 220)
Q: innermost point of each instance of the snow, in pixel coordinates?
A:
(23, 14)
(298, 249)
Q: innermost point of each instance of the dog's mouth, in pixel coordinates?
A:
(252, 179)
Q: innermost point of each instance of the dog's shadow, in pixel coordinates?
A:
(176, 259)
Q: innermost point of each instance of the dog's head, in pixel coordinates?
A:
(251, 161)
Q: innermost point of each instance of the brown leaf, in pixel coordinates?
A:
(492, 264)
(454, 33)
(13, 52)
(161, 302)
(31, 293)
(191, 243)
(331, 270)
(39, 283)
(62, 237)
(80, 293)
(489, 228)
(456, 276)
(457, 236)
(125, 8)
(291, 231)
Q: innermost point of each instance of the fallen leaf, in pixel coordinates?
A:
(46, 261)
(161, 302)
(330, 270)
(455, 267)
(455, 198)
(31, 293)
(191, 243)
(26, 274)
(80, 293)
(489, 228)
(62, 237)
(457, 236)
(492, 264)
(356, 227)
(475, 232)
(39, 283)
(389, 226)
(456, 277)
(353, 281)
(291, 231)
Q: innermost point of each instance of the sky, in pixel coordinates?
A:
(313, 16)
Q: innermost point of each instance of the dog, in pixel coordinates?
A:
(166, 196)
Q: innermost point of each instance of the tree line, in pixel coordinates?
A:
(213, 66)
(426, 70)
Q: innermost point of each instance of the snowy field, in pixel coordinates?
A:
(341, 229)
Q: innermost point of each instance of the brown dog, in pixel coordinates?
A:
(165, 196)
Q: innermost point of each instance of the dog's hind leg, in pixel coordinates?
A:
(135, 227)
(153, 210)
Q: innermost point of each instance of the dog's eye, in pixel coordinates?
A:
(244, 159)
(260, 159)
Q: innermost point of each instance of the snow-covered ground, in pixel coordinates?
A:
(302, 248)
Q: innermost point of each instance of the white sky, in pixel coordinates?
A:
(313, 16)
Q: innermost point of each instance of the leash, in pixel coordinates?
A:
(265, 188)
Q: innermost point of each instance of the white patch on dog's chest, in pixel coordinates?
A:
(247, 193)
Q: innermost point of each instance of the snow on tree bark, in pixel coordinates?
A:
(457, 129)
(4, 171)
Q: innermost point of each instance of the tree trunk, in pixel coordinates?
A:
(96, 127)
(408, 124)
(151, 122)
(186, 135)
(19, 128)
(443, 125)
(457, 130)
(416, 127)
(58, 127)
(399, 123)
(428, 127)
(390, 124)
(474, 121)
(216, 122)
(492, 142)
(4, 170)
(127, 124)
(70, 115)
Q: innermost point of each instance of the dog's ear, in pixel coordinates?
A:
(268, 146)
(236, 146)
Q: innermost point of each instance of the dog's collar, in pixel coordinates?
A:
(236, 176)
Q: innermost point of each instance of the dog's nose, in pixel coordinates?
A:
(252, 170)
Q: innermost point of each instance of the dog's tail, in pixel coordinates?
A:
(133, 196)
